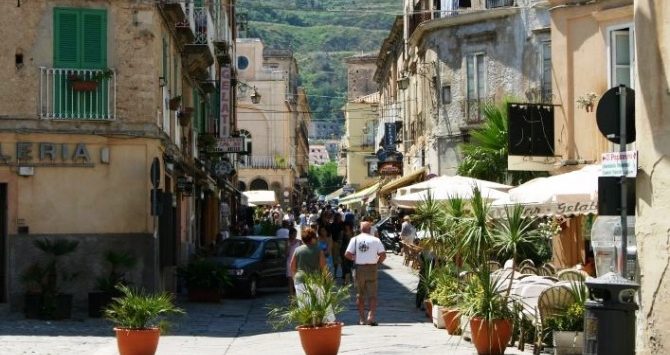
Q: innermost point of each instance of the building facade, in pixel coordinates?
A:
(358, 143)
(652, 104)
(95, 94)
(272, 126)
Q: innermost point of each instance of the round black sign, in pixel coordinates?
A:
(607, 115)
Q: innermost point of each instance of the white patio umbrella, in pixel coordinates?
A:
(444, 193)
(445, 180)
(576, 186)
(571, 193)
(260, 197)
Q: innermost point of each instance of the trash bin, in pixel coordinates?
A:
(609, 320)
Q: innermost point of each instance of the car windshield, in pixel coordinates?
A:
(240, 248)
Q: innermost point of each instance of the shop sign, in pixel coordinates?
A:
(224, 100)
(389, 136)
(390, 168)
(50, 155)
(617, 164)
(229, 145)
(552, 209)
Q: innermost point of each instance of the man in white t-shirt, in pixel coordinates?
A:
(367, 252)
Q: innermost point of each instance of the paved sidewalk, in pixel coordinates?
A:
(239, 326)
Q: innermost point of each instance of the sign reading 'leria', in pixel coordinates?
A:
(619, 164)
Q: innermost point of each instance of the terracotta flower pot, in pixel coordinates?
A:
(137, 341)
(321, 340)
(428, 305)
(452, 321)
(84, 85)
(490, 338)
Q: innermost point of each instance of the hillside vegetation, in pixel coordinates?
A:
(321, 34)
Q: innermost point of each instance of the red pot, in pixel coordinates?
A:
(452, 321)
(84, 85)
(137, 341)
(490, 338)
(321, 340)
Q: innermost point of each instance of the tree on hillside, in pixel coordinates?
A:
(324, 179)
(485, 157)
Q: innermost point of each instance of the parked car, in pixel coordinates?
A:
(253, 262)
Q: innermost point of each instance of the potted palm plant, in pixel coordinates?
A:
(312, 313)
(119, 262)
(488, 309)
(489, 312)
(205, 280)
(567, 328)
(139, 319)
(44, 298)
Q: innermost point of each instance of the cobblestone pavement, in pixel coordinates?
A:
(239, 326)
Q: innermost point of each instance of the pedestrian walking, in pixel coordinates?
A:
(407, 231)
(347, 265)
(307, 258)
(293, 244)
(367, 252)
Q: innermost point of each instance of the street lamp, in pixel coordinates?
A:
(255, 95)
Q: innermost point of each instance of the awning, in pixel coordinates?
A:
(403, 181)
(360, 196)
(261, 197)
(335, 194)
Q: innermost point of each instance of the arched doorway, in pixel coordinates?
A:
(241, 186)
(258, 184)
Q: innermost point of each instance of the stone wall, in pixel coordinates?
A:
(652, 227)
(360, 72)
(87, 262)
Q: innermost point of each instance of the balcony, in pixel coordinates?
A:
(266, 162)
(77, 94)
(492, 4)
(173, 11)
(194, 35)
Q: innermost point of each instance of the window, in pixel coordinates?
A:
(242, 62)
(622, 57)
(546, 72)
(80, 38)
(476, 73)
(446, 94)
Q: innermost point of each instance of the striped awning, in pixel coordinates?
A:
(361, 195)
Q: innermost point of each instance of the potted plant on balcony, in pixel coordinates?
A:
(44, 298)
(184, 116)
(139, 319)
(106, 285)
(84, 83)
(313, 313)
(174, 102)
(205, 280)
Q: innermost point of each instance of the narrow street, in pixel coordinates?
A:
(239, 327)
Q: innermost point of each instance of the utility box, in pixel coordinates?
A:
(609, 320)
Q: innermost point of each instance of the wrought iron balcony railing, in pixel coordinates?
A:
(77, 94)
(266, 162)
(490, 4)
(197, 19)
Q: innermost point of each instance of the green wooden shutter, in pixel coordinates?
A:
(94, 39)
(66, 38)
(165, 59)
